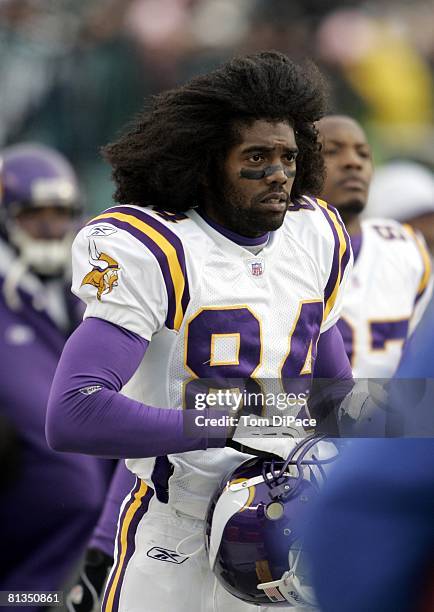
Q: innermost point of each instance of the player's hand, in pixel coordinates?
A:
(274, 443)
(277, 444)
(365, 411)
(258, 439)
(85, 595)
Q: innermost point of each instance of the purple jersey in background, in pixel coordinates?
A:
(48, 511)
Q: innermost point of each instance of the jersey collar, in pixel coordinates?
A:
(233, 236)
(227, 245)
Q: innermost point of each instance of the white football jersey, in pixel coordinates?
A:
(387, 293)
(211, 309)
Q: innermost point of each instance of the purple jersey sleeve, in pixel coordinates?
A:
(87, 414)
(104, 534)
(332, 360)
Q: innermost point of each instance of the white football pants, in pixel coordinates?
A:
(149, 575)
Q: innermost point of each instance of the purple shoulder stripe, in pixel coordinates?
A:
(341, 253)
(348, 248)
(167, 249)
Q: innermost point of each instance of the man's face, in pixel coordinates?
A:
(46, 222)
(348, 162)
(258, 174)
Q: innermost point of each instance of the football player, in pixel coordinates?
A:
(50, 507)
(213, 265)
(391, 280)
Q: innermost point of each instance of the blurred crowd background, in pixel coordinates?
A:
(72, 72)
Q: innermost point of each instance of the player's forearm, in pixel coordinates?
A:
(87, 414)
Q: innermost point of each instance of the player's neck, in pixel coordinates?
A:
(352, 223)
(237, 238)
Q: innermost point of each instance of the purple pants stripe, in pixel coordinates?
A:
(121, 520)
(132, 514)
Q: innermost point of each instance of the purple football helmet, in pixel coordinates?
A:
(33, 180)
(34, 175)
(255, 522)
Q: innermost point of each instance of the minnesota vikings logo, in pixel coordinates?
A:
(104, 275)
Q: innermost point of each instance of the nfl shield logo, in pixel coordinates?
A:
(257, 268)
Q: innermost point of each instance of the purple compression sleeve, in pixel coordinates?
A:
(103, 356)
(104, 534)
(332, 360)
(333, 379)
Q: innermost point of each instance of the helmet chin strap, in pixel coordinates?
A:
(291, 579)
(292, 583)
(291, 590)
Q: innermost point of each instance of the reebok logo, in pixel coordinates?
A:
(164, 554)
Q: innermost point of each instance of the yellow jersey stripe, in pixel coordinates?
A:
(343, 246)
(168, 249)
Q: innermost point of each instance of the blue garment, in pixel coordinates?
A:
(371, 540)
(417, 360)
(48, 512)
